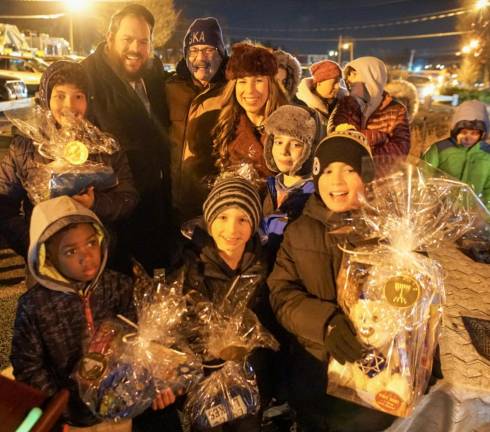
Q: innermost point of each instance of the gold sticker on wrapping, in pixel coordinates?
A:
(389, 401)
(402, 291)
(75, 152)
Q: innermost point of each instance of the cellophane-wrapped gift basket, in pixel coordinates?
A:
(391, 290)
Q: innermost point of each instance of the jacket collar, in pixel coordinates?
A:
(214, 265)
(316, 209)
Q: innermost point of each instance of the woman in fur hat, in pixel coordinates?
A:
(250, 96)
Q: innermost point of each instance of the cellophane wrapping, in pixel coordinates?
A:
(111, 380)
(391, 291)
(162, 335)
(225, 332)
(66, 148)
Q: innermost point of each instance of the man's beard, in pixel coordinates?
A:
(118, 64)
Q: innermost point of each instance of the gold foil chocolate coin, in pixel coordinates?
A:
(75, 152)
(402, 291)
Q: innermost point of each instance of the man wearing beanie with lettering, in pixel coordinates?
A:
(192, 90)
(303, 288)
(322, 90)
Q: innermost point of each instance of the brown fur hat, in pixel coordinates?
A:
(250, 60)
(297, 122)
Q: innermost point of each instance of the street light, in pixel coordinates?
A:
(481, 4)
(474, 43)
(75, 6)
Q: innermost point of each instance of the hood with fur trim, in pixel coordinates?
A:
(406, 93)
(307, 94)
(471, 114)
(293, 72)
(296, 122)
(374, 75)
(48, 218)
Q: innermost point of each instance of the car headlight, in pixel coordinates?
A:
(428, 90)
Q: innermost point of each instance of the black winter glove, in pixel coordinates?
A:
(341, 341)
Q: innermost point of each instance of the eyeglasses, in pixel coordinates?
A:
(208, 51)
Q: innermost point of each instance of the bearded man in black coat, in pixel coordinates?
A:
(127, 92)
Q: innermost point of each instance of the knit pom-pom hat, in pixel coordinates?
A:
(350, 147)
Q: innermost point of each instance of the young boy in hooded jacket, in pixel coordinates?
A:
(303, 288)
(73, 294)
(371, 110)
(465, 155)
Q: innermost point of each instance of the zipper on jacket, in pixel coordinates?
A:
(88, 313)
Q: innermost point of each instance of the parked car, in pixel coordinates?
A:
(12, 88)
(425, 85)
(28, 69)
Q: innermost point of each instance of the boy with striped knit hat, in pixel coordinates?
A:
(226, 245)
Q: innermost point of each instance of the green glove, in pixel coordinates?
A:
(341, 341)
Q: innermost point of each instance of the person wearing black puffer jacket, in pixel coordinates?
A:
(63, 87)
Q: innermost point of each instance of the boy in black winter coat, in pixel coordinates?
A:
(63, 88)
(230, 246)
(303, 289)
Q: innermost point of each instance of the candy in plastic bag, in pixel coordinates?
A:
(228, 394)
(111, 383)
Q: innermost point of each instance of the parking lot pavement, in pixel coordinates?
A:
(11, 288)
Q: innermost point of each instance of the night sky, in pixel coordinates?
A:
(288, 24)
(277, 22)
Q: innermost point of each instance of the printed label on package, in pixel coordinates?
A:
(402, 291)
(388, 400)
(238, 407)
(216, 415)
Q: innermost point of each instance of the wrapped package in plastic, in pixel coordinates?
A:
(227, 332)
(228, 394)
(226, 328)
(162, 339)
(392, 292)
(69, 151)
(111, 380)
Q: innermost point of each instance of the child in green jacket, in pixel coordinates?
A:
(465, 155)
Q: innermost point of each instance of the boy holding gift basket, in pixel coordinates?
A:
(303, 287)
(59, 152)
(226, 269)
(74, 293)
